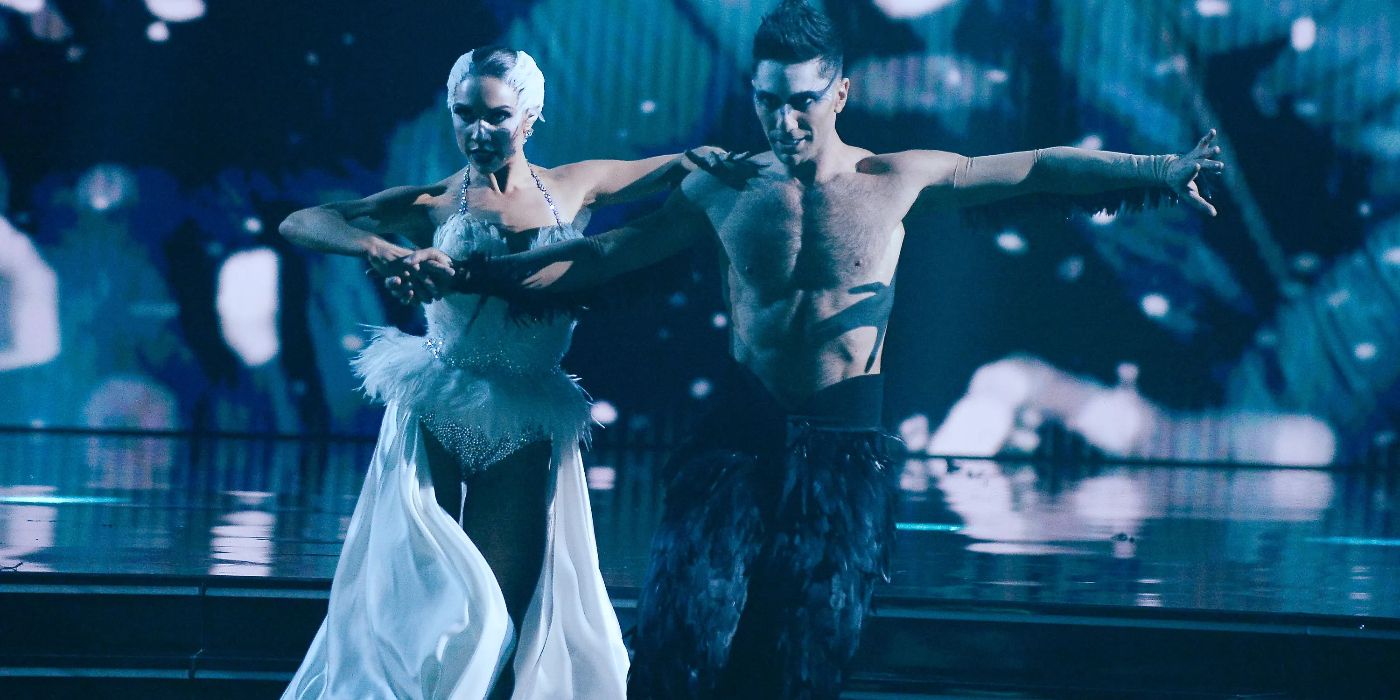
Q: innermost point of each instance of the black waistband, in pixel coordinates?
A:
(857, 403)
(745, 415)
(854, 403)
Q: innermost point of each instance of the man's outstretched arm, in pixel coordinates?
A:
(959, 181)
(586, 263)
(539, 280)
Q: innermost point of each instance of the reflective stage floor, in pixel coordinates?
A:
(1209, 545)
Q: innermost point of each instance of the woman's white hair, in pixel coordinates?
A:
(525, 78)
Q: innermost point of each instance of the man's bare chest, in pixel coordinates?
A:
(822, 237)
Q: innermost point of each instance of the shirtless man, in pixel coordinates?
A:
(779, 512)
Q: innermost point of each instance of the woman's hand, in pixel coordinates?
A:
(422, 275)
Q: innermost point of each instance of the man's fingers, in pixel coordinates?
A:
(1200, 203)
(699, 160)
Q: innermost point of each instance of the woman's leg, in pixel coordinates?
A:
(447, 476)
(506, 516)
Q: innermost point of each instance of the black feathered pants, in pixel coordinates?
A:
(777, 525)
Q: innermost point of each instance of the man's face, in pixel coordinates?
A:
(797, 104)
(488, 126)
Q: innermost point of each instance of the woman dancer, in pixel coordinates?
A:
(429, 601)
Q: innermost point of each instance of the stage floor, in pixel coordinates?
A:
(1253, 539)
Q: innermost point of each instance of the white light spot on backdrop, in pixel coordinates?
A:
(352, 342)
(701, 388)
(1382, 141)
(27, 7)
(176, 10)
(1306, 442)
(1365, 351)
(1337, 298)
(1303, 34)
(600, 478)
(1011, 242)
(648, 106)
(1306, 262)
(1212, 8)
(997, 76)
(1071, 269)
(1156, 305)
(158, 32)
(47, 24)
(1023, 440)
(30, 305)
(1103, 218)
(908, 9)
(247, 304)
(603, 413)
(719, 320)
(106, 186)
(1392, 255)
(915, 432)
(253, 224)
(1090, 141)
(1175, 65)
(1112, 421)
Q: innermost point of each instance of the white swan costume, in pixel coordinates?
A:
(415, 612)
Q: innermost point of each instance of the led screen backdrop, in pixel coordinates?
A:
(148, 150)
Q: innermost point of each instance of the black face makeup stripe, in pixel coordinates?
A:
(796, 98)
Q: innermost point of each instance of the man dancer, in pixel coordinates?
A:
(779, 511)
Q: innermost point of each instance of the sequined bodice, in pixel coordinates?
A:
(475, 332)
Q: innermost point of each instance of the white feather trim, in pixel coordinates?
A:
(398, 367)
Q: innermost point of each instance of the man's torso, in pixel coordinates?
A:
(808, 272)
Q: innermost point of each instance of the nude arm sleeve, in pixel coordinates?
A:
(1061, 180)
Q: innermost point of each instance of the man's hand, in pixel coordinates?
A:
(1183, 170)
(733, 169)
(422, 275)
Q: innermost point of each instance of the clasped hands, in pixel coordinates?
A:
(422, 275)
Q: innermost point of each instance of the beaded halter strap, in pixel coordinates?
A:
(467, 179)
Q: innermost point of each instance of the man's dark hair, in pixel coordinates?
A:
(796, 32)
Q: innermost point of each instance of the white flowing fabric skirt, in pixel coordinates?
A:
(415, 611)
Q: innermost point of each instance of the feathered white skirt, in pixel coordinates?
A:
(481, 411)
(415, 611)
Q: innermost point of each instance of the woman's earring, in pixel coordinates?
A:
(529, 132)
